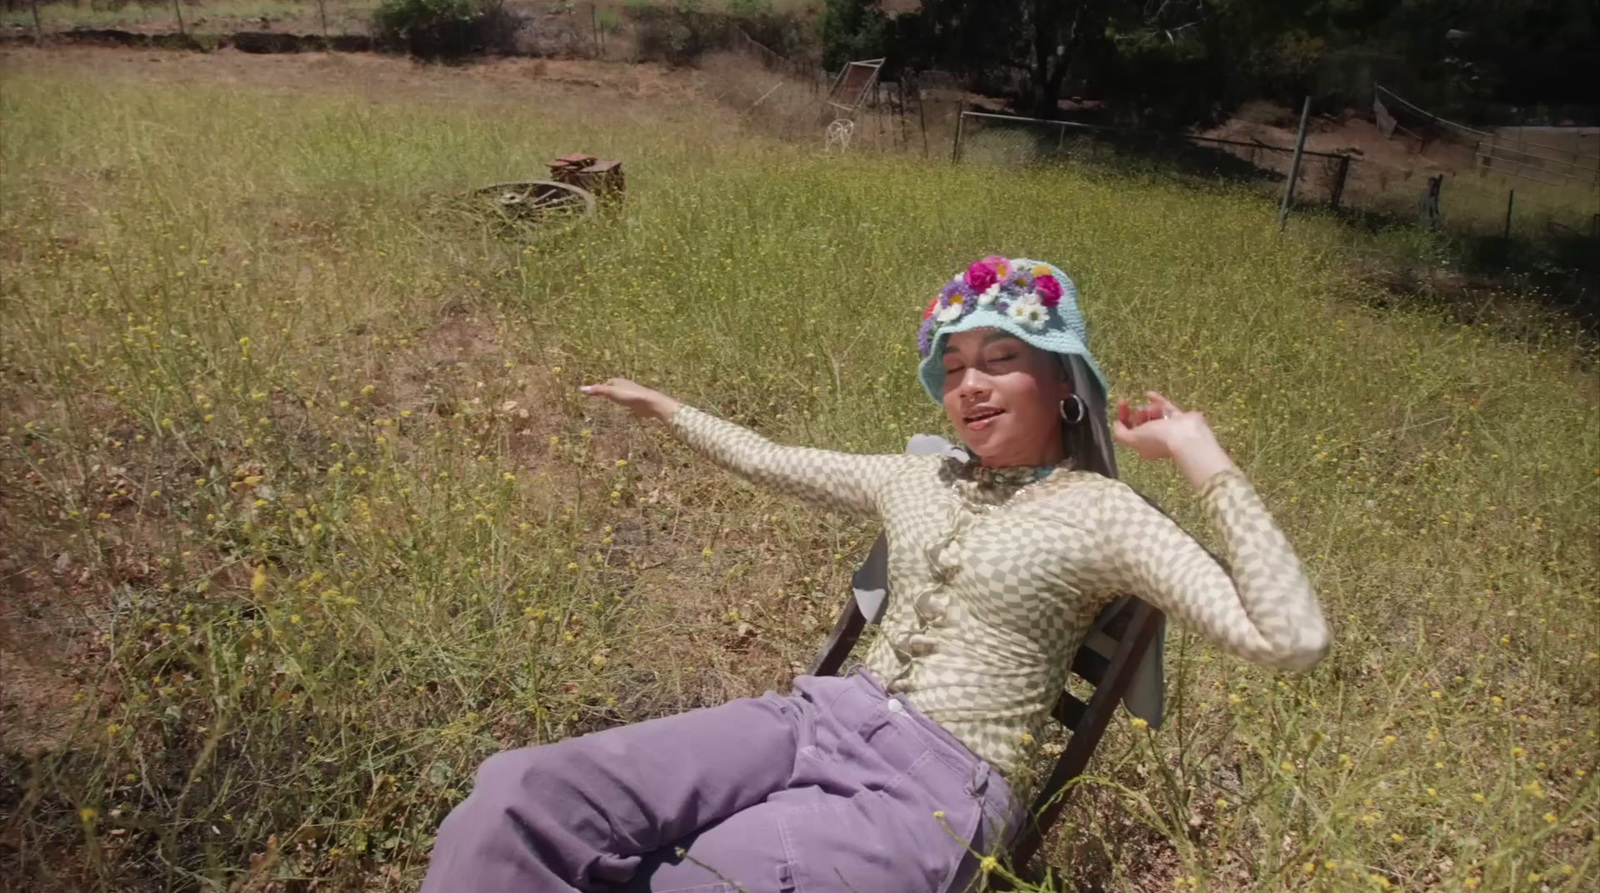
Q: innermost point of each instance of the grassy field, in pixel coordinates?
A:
(304, 517)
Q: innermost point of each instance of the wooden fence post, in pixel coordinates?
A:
(322, 10)
(1338, 183)
(177, 7)
(1511, 199)
(1294, 166)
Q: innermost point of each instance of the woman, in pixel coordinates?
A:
(899, 776)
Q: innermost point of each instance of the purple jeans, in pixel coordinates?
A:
(836, 787)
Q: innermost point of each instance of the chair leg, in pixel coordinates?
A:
(834, 652)
(1086, 736)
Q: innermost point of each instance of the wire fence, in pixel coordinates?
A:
(1456, 189)
(1536, 183)
(1553, 156)
(987, 138)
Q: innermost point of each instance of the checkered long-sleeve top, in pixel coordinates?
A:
(995, 576)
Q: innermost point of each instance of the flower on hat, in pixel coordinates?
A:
(1002, 266)
(1049, 289)
(1030, 312)
(925, 336)
(989, 296)
(933, 307)
(981, 275)
(952, 311)
(1041, 270)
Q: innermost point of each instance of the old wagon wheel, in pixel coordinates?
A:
(838, 134)
(544, 202)
(525, 210)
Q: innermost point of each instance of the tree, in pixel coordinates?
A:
(852, 29)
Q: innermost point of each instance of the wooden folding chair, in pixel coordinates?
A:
(1108, 659)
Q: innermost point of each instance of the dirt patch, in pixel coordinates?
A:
(629, 89)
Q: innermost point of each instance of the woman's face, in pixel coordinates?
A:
(1004, 397)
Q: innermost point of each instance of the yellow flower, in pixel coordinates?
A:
(87, 814)
(989, 864)
(258, 583)
(1139, 724)
(1550, 818)
(1040, 270)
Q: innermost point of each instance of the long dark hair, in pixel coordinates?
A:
(1088, 442)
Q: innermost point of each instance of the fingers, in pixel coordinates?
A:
(1166, 406)
(1125, 414)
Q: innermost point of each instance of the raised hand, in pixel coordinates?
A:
(643, 402)
(1160, 430)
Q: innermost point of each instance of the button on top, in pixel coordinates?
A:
(895, 706)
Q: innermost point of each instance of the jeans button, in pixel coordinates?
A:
(895, 706)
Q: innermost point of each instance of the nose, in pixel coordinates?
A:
(971, 385)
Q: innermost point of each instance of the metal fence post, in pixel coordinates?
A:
(922, 118)
(961, 123)
(1294, 166)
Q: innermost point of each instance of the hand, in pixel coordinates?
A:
(643, 402)
(1160, 430)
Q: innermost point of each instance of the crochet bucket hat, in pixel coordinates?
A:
(1030, 299)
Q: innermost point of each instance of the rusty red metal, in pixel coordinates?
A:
(602, 177)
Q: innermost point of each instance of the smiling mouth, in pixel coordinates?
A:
(983, 415)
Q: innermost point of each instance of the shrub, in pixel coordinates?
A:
(442, 29)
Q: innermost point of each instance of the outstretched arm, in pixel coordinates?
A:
(1264, 610)
(843, 481)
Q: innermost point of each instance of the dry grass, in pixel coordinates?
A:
(304, 517)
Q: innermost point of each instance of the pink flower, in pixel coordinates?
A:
(1001, 265)
(980, 276)
(1049, 290)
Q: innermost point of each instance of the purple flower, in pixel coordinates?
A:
(956, 287)
(925, 337)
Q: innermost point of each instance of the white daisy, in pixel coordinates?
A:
(950, 313)
(1030, 311)
(989, 296)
